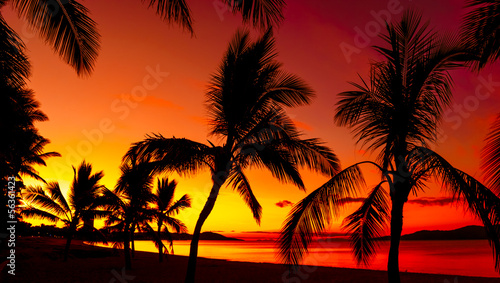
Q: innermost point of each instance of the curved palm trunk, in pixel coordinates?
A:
(396, 229)
(193, 252)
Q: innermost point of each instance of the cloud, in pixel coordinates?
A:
(302, 125)
(432, 201)
(284, 203)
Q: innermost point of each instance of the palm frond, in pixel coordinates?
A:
(67, 27)
(173, 11)
(15, 67)
(261, 13)
(312, 214)
(491, 157)
(240, 183)
(182, 203)
(38, 198)
(176, 224)
(171, 154)
(474, 196)
(480, 30)
(34, 213)
(366, 224)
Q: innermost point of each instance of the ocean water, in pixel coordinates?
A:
(463, 257)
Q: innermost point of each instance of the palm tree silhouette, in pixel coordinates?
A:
(68, 28)
(22, 145)
(480, 33)
(82, 203)
(397, 112)
(129, 204)
(166, 208)
(245, 101)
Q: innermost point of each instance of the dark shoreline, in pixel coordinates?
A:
(40, 260)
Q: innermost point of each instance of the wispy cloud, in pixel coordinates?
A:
(432, 201)
(284, 203)
(302, 125)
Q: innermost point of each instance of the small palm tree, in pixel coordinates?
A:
(129, 204)
(246, 102)
(82, 203)
(397, 112)
(165, 209)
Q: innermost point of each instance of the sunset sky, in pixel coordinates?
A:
(96, 118)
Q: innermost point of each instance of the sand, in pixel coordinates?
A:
(40, 260)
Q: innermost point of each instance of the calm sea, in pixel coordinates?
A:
(469, 258)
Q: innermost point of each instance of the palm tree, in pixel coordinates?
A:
(246, 101)
(82, 203)
(166, 208)
(397, 113)
(68, 28)
(19, 111)
(129, 204)
(481, 32)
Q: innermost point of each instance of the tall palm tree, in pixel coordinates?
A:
(396, 113)
(481, 32)
(245, 101)
(82, 203)
(166, 208)
(68, 28)
(22, 147)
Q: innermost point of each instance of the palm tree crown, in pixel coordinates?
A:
(397, 113)
(83, 202)
(166, 208)
(245, 102)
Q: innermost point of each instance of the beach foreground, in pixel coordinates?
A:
(40, 260)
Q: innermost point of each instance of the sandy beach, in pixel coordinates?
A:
(40, 260)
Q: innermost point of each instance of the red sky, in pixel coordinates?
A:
(97, 119)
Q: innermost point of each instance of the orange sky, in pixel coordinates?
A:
(96, 118)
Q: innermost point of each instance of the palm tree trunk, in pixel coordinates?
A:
(71, 231)
(126, 247)
(66, 249)
(396, 229)
(193, 252)
(160, 247)
(132, 240)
